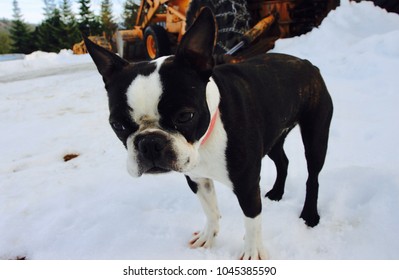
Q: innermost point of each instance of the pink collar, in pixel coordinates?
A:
(211, 126)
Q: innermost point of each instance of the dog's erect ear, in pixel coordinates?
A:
(196, 46)
(106, 61)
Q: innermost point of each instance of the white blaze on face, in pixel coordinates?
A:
(143, 96)
(144, 93)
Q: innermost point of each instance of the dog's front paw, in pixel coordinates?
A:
(254, 253)
(204, 238)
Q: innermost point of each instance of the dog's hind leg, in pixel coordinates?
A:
(280, 159)
(205, 191)
(315, 131)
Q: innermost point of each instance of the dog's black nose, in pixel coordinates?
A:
(151, 146)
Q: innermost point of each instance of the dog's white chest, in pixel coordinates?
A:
(212, 157)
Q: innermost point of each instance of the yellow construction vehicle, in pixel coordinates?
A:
(160, 24)
(245, 27)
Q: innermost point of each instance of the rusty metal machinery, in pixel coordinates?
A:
(245, 27)
(253, 24)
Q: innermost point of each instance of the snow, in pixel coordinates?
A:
(41, 60)
(90, 208)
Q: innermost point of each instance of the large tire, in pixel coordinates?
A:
(156, 42)
(233, 20)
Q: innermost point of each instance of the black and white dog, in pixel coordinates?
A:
(182, 113)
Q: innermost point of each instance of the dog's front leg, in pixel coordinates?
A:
(251, 205)
(205, 191)
(253, 246)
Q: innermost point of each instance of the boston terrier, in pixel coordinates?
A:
(182, 113)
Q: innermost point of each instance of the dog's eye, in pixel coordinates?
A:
(118, 126)
(184, 117)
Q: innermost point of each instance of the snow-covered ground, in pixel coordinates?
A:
(90, 208)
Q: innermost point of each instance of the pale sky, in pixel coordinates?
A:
(32, 10)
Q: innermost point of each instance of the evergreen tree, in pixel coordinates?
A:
(107, 23)
(49, 7)
(66, 11)
(129, 16)
(88, 23)
(70, 24)
(51, 35)
(19, 32)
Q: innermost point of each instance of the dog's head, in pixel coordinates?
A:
(160, 109)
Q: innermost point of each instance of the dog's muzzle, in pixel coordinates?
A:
(155, 154)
